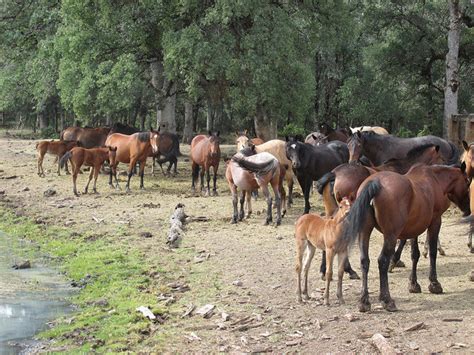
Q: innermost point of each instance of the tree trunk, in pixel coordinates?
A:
(108, 120)
(209, 117)
(188, 122)
(167, 116)
(452, 66)
(42, 120)
(265, 128)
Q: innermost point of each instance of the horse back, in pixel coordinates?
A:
(199, 148)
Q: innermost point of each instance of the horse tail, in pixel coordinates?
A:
(357, 216)
(454, 159)
(64, 159)
(61, 135)
(329, 177)
(262, 168)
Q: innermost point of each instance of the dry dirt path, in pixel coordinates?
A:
(261, 258)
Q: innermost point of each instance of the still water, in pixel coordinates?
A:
(28, 300)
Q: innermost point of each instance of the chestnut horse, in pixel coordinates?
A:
(131, 150)
(313, 231)
(248, 171)
(380, 148)
(88, 137)
(468, 158)
(205, 152)
(403, 207)
(58, 148)
(93, 157)
(333, 134)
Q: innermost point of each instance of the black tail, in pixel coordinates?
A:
(64, 159)
(454, 159)
(357, 216)
(257, 168)
(321, 183)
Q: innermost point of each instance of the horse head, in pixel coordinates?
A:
(155, 140)
(325, 128)
(344, 208)
(354, 144)
(242, 140)
(294, 151)
(468, 158)
(458, 187)
(214, 140)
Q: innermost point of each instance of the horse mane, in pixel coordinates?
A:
(248, 151)
(143, 136)
(417, 151)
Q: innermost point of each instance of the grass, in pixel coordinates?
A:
(117, 272)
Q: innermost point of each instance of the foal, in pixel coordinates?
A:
(313, 231)
(58, 148)
(93, 157)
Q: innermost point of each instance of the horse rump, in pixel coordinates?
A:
(329, 177)
(64, 159)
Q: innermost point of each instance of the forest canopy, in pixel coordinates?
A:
(192, 65)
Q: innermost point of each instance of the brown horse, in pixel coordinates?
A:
(131, 150)
(333, 134)
(93, 157)
(316, 138)
(248, 171)
(468, 158)
(313, 231)
(88, 137)
(168, 151)
(205, 152)
(243, 141)
(58, 148)
(403, 207)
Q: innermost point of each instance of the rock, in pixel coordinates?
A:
(146, 235)
(178, 287)
(206, 311)
(412, 345)
(25, 189)
(49, 192)
(237, 283)
(146, 312)
(192, 337)
(382, 344)
(201, 257)
(325, 337)
(415, 326)
(350, 317)
(189, 311)
(23, 265)
(225, 316)
(69, 223)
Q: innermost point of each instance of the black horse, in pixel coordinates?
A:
(310, 163)
(168, 152)
(123, 129)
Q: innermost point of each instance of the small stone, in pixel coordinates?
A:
(225, 316)
(412, 345)
(350, 317)
(25, 189)
(325, 337)
(23, 265)
(237, 283)
(146, 235)
(206, 311)
(49, 192)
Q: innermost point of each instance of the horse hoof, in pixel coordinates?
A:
(283, 213)
(389, 306)
(472, 250)
(214, 193)
(85, 192)
(441, 252)
(233, 221)
(435, 287)
(248, 215)
(425, 254)
(278, 223)
(364, 307)
(341, 301)
(353, 275)
(306, 297)
(323, 277)
(414, 288)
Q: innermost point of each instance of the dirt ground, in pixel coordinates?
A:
(251, 266)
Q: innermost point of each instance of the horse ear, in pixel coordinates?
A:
(437, 148)
(463, 167)
(359, 134)
(252, 147)
(159, 127)
(465, 145)
(209, 133)
(287, 138)
(314, 137)
(237, 134)
(245, 132)
(217, 134)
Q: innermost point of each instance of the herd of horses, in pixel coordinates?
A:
(368, 180)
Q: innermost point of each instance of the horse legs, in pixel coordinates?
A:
(203, 171)
(74, 178)
(329, 262)
(214, 189)
(290, 183)
(283, 200)
(248, 197)
(142, 173)
(433, 232)
(310, 249)
(88, 181)
(40, 165)
(341, 259)
(385, 256)
(194, 176)
(96, 175)
(268, 196)
(276, 192)
(300, 245)
(396, 262)
(469, 237)
(322, 267)
(233, 190)
(414, 286)
(347, 268)
(208, 180)
(242, 202)
(131, 168)
(305, 184)
(364, 303)
(440, 248)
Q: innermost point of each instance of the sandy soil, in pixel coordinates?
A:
(262, 259)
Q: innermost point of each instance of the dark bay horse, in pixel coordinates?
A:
(380, 148)
(88, 137)
(333, 134)
(131, 150)
(310, 163)
(403, 207)
(248, 171)
(205, 153)
(168, 151)
(93, 157)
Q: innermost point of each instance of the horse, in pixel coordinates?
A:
(130, 150)
(248, 171)
(313, 231)
(375, 129)
(123, 128)
(88, 137)
(316, 138)
(468, 158)
(243, 141)
(380, 148)
(333, 134)
(403, 207)
(345, 180)
(93, 157)
(58, 148)
(310, 163)
(205, 152)
(169, 149)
